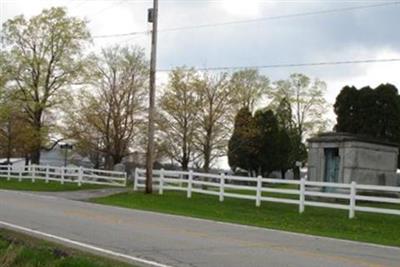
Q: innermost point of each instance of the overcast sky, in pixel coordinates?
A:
(371, 33)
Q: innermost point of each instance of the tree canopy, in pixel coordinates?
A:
(45, 57)
(249, 87)
(179, 105)
(371, 112)
(258, 144)
(242, 145)
(109, 114)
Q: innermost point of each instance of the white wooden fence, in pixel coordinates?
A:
(304, 193)
(77, 175)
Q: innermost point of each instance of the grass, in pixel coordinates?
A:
(40, 185)
(18, 250)
(366, 227)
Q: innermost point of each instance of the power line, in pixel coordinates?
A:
(294, 15)
(289, 65)
(108, 7)
(121, 34)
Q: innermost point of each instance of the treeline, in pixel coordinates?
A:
(51, 90)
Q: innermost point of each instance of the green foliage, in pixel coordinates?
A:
(371, 112)
(215, 117)
(243, 145)
(177, 121)
(306, 102)
(45, 59)
(301, 107)
(107, 119)
(268, 139)
(249, 87)
(258, 144)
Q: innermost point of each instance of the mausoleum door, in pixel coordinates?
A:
(332, 161)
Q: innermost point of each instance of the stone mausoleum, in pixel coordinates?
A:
(343, 158)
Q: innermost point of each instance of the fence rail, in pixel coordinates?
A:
(78, 175)
(298, 192)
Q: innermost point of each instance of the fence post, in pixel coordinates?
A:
(161, 182)
(33, 172)
(352, 199)
(189, 186)
(20, 175)
(47, 174)
(302, 195)
(126, 178)
(8, 172)
(135, 180)
(180, 179)
(258, 193)
(80, 176)
(62, 175)
(221, 187)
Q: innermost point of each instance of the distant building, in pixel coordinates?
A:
(343, 158)
(56, 157)
(16, 163)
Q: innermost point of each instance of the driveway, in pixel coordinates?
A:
(83, 194)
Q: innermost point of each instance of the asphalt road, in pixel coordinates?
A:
(180, 241)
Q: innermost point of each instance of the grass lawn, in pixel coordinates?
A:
(18, 250)
(366, 227)
(40, 185)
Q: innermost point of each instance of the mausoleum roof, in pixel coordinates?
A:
(330, 137)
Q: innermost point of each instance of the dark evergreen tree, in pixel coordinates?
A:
(268, 135)
(292, 149)
(242, 145)
(369, 112)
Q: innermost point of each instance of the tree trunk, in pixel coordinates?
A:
(108, 164)
(207, 157)
(35, 156)
(9, 141)
(117, 159)
(185, 165)
(283, 174)
(296, 173)
(97, 161)
(37, 125)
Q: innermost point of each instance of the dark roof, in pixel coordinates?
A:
(344, 137)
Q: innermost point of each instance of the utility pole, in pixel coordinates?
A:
(152, 18)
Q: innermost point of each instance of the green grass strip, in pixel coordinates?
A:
(18, 250)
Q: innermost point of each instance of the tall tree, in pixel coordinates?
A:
(357, 110)
(370, 112)
(259, 144)
(268, 137)
(45, 54)
(215, 117)
(305, 99)
(179, 106)
(287, 137)
(249, 87)
(109, 116)
(243, 144)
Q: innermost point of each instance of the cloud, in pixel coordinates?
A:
(239, 8)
